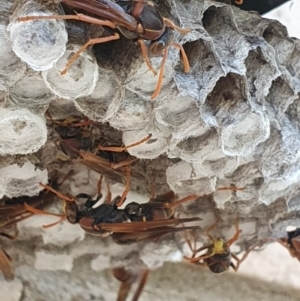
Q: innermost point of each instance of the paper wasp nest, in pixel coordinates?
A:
(232, 120)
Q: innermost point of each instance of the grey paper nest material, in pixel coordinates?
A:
(233, 119)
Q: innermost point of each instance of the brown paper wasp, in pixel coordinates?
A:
(136, 19)
(218, 256)
(78, 142)
(128, 277)
(134, 223)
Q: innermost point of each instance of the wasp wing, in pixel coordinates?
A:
(144, 226)
(127, 238)
(105, 9)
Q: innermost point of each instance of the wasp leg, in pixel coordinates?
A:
(120, 149)
(51, 119)
(59, 194)
(99, 185)
(236, 235)
(232, 188)
(126, 279)
(184, 57)
(78, 17)
(193, 248)
(211, 228)
(145, 56)
(183, 200)
(239, 261)
(54, 224)
(116, 36)
(38, 211)
(189, 242)
(108, 195)
(161, 75)
(123, 163)
(127, 186)
(9, 236)
(84, 123)
(66, 177)
(171, 24)
(152, 192)
(196, 259)
(239, 2)
(141, 285)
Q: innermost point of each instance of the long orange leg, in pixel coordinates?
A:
(189, 242)
(236, 235)
(239, 261)
(59, 194)
(186, 63)
(141, 285)
(153, 192)
(128, 161)
(171, 24)
(183, 200)
(99, 185)
(196, 259)
(38, 211)
(70, 173)
(116, 36)
(108, 195)
(54, 224)
(119, 149)
(145, 56)
(195, 251)
(239, 2)
(232, 188)
(211, 228)
(127, 187)
(193, 248)
(161, 75)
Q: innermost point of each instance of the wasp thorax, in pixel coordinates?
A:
(219, 246)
